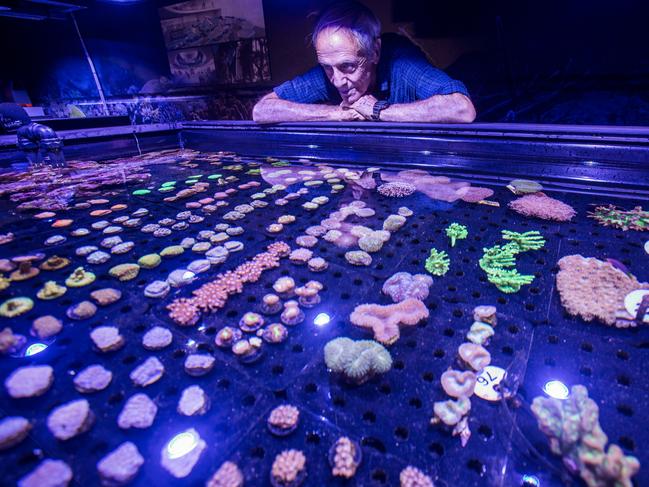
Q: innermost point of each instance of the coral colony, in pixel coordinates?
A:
(263, 285)
(499, 261)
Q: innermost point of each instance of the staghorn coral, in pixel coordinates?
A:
(610, 216)
(594, 289)
(543, 207)
(384, 321)
(574, 433)
(437, 262)
(404, 285)
(456, 231)
(359, 360)
(496, 261)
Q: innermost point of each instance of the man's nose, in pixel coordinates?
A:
(339, 79)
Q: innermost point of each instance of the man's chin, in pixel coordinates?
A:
(350, 99)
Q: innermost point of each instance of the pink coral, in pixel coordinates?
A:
(403, 285)
(541, 206)
(213, 295)
(385, 320)
(396, 189)
(439, 187)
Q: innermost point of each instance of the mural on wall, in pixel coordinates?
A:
(216, 42)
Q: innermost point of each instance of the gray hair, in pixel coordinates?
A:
(351, 15)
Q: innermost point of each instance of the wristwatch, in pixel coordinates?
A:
(379, 106)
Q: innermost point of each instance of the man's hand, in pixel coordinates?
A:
(364, 106)
(344, 114)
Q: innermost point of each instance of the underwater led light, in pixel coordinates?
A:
(189, 275)
(530, 481)
(322, 319)
(35, 348)
(556, 389)
(181, 444)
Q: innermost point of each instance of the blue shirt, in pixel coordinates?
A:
(403, 75)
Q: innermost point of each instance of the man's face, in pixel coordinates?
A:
(349, 71)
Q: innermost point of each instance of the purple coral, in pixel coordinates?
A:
(404, 285)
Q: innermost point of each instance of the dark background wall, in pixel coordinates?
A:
(554, 61)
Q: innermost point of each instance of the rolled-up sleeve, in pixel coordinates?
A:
(311, 87)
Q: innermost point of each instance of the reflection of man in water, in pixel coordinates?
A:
(363, 75)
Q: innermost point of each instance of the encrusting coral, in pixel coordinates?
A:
(404, 285)
(384, 321)
(594, 289)
(437, 262)
(543, 207)
(359, 360)
(573, 431)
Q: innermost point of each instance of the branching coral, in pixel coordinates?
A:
(532, 240)
(610, 216)
(384, 321)
(594, 289)
(213, 295)
(359, 360)
(455, 231)
(437, 262)
(497, 261)
(573, 431)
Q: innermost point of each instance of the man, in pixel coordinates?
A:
(365, 76)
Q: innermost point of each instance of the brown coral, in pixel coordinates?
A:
(413, 477)
(385, 320)
(593, 289)
(542, 206)
(346, 458)
(228, 475)
(288, 466)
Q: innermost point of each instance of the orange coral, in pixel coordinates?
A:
(385, 320)
(594, 289)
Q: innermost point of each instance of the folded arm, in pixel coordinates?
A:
(272, 109)
(453, 108)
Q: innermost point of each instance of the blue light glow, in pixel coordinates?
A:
(322, 319)
(531, 481)
(35, 348)
(556, 389)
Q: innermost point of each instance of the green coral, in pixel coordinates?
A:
(455, 231)
(437, 262)
(358, 360)
(532, 240)
(573, 431)
(499, 261)
(610, 216)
